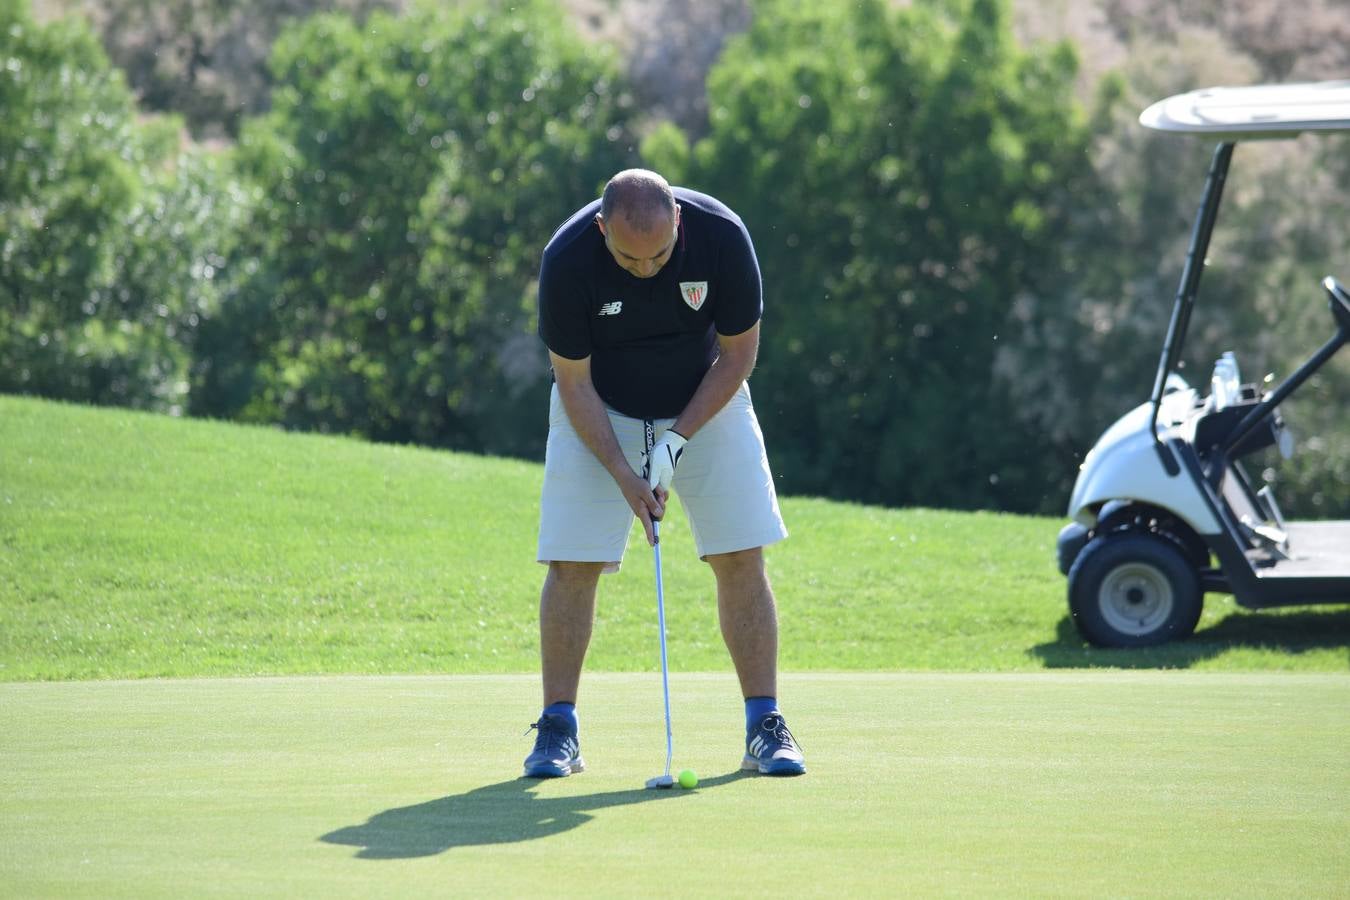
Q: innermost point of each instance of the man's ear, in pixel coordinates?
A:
(600, 223)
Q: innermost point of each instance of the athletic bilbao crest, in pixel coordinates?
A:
(694, 293)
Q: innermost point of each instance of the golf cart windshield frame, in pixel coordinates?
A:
(1188, 288)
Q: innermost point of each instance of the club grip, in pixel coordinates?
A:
(649, 440)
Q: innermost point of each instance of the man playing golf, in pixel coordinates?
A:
(649, 304)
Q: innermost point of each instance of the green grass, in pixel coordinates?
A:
(134, 545)
(1082, 784)
(944, 758)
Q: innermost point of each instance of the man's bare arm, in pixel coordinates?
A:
(734, 365)
(586, 411)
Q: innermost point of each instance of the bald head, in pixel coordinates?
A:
(642, 199)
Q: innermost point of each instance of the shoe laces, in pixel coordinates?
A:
(551, 738)
(775, 726)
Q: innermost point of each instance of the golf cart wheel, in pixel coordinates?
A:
(1133, 590)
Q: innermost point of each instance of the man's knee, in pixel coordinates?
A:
(575, 574)
(738, 563)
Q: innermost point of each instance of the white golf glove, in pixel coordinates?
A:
(665, 454)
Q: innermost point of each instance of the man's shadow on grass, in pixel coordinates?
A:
(1290, 633)
(503, 813)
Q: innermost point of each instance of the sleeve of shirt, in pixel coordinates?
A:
(740, 301)
(563, 324)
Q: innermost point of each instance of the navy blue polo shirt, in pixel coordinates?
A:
(650, 340)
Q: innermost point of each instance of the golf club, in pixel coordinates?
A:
(660, 781)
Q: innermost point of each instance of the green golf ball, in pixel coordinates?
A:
(688, 779)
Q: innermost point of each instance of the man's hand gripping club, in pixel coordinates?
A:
(661, 462)
(587, 414)
(658, 468)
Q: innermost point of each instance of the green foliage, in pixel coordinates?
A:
(413, 170)
(67, 178)
(1282, 234)
(967, 278)
(905, 174)
(112, 235)
(666, 150)
(205, 60)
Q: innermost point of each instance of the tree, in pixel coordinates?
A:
(109, 231)
(666, 48)
(413, 170)
(1288, 40)
(905, 173)
(205, 60)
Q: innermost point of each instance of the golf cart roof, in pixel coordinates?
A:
(1260, 111)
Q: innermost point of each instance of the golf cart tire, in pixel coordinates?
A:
(1134, 590)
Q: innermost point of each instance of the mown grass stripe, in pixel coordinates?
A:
(1074, 784)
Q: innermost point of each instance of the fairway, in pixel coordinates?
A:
(1067, 784)
(139, 546)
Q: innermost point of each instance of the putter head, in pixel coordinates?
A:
(660, 781)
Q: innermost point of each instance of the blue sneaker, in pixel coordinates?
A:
(771, 750)
(557, 753)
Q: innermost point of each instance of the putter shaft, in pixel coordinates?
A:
(661, 626)
(662, 781)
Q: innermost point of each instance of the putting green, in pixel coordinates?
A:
(1069, 784)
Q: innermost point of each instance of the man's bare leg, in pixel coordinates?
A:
(566, 617)
(749, 619)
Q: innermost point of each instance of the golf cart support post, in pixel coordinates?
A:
(1163, 495)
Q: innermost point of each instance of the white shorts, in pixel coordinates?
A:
(723, 481)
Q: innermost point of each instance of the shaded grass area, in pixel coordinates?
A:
(1239, 638)
(1082, 784)
(134, 545)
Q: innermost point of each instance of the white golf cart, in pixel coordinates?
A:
(1162, 509)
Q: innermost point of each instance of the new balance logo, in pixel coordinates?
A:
(611, 309)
